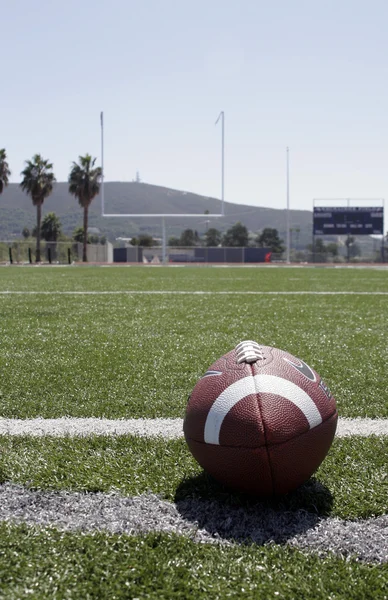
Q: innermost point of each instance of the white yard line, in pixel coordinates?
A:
(202, 520)
(186, 293)
(167, 428)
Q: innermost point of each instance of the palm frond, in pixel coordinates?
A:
(38, 179)
(84, 180)
(4, 170)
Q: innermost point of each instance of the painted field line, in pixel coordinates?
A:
(186, 293)
(167, 428)
(201, 520)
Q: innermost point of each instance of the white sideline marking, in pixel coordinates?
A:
(187, 293)
(167, 428)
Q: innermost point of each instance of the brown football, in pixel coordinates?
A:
(260, 420)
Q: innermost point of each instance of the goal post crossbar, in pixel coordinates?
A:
(163, 216)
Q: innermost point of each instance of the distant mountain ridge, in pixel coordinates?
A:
(17, 212)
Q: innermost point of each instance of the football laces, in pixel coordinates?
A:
(249, 352)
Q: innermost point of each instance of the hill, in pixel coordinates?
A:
(17, 212)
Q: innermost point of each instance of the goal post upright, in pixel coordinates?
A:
(102, 162)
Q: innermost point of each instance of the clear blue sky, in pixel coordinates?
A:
(308, 74)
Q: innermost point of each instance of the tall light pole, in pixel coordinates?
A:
(288, 205)
(222, 117)
(102, 163)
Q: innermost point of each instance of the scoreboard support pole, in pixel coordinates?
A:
(313, 245)
(313, 248)
(382, 239)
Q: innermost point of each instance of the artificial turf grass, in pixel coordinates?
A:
(351, 482)
(46, 563)
(265, 278)
(134, 356)
(339, 579)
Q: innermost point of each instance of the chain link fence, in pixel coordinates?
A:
(16, 252)
(24, 252)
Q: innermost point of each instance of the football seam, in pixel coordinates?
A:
(258, 400)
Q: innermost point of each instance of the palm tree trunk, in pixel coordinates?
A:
(38, 221)
(84, 251)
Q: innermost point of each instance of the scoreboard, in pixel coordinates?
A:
(354, 220)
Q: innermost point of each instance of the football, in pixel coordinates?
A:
(260, 420)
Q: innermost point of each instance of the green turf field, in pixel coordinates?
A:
(123, 355)
(193, 279)
(62, 565)
(353, 476)
(131, 342)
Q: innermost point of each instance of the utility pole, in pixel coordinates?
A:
(222, 117)
(288, 206)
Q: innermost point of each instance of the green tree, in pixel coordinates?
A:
(173, 241)
(318, 249)
(187, 238)
(213, 237)
(51, 227)
(37, 181)
(269, 238)
(78, 235)
(50, 231)
(237, 236)
(332, 248)
(84, 184)
(4, 170)
(320, 246)
(146, 240)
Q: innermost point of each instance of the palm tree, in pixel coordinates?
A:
(84, 184)
(51, 228)
(4, 170)
(38, 180)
